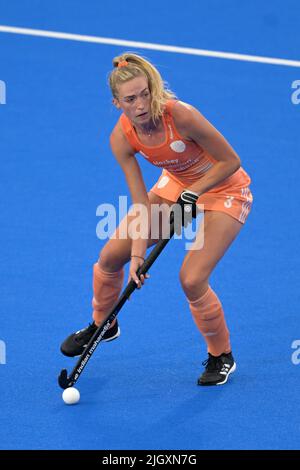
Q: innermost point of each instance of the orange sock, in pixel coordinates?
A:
(209, 317)
(107, 288)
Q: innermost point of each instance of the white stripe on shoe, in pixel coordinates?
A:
(227, 373)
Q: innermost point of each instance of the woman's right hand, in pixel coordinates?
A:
(135, 264)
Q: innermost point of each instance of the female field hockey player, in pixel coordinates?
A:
(199, 167)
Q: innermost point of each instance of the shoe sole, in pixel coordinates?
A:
(103, 340)
(233, 368)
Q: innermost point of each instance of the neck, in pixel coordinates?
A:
(147, 128)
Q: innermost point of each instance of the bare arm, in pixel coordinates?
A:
(125, 156)
(194, 126)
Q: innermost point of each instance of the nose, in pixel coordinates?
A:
(140, 104)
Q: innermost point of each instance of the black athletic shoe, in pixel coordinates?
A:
(217, 369)
(75, 343)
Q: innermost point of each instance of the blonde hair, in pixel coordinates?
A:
(138, 66)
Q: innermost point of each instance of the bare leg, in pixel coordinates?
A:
(108, 271)
(219, 232)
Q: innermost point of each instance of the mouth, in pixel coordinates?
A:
(143, 114)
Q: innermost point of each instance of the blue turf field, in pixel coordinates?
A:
(56, 168)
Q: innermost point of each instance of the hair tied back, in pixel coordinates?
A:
(123, 63)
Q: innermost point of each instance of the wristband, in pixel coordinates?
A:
(136, 256)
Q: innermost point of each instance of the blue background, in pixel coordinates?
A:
(56, 167)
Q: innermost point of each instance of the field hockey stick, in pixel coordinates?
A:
(66, 381)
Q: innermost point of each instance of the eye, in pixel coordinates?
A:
(130, 100)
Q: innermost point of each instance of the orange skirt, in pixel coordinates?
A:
(232, 196)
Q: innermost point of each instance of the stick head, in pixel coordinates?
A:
(63, 380)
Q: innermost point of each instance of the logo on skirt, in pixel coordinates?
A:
(163, 182)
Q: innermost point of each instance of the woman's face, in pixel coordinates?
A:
(134, 99)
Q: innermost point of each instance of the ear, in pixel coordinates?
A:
(116, 103)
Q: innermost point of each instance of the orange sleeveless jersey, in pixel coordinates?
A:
(184, 162)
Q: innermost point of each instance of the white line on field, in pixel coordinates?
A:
(148, 45)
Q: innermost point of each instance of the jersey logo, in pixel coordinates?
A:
(178, 146)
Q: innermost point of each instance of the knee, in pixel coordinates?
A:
(108, 260)
(194, 284)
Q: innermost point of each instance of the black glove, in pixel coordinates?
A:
(187, 202)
